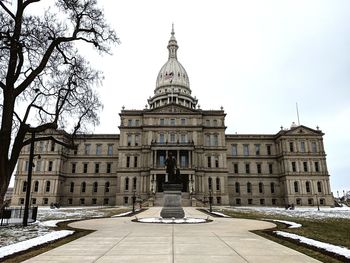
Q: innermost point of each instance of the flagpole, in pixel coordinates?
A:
(297, 113)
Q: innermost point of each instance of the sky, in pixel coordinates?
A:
(256, 59)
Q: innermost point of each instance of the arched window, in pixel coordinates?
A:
(48, 185)
(71, 187)
(95, 187)
(296, 187)
(210, 183)
(249, 187)
(261, 188)
(272, 186)
(307, 186)
(134, 181)
(36, 186)
(83, 187)
(319, 187)
(107, 187)
(217, 184)
(237, 187)
(24, 187)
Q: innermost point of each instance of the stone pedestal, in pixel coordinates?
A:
(172, 201)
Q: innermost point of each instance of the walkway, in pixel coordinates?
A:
(223, 240)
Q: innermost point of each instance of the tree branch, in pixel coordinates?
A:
(7, 10)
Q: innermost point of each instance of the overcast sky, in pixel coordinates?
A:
(254, 58)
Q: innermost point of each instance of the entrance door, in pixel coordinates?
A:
(160, 182)
(184, 179)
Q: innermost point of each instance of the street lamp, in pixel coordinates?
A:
(133, 202)
(210, 201)
(29, 180)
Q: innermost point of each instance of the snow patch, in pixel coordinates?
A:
(171, 221)
(289, 223)
(126, 213)
(53, 223)
(343, 251)
(24, 245)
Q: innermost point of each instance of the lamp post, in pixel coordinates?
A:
(210, 201)
(133, 202)
(29, 180)
(318, 206)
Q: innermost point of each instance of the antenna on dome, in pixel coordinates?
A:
(172, 29)
(297, 113)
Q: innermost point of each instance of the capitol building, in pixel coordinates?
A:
(288, 167)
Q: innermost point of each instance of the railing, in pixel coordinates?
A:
(15, 215)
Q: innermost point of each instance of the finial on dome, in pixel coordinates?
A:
(172, 29)
(172, 46)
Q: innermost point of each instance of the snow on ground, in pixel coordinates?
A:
(24, 245)
(289, 223)
(326, 246)
(217, 213)
(161, 220)
(302, 212)
(53, 223)
(126, 213)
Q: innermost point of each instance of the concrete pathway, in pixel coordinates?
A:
(223, 240)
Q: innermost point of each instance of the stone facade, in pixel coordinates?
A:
(288, 167)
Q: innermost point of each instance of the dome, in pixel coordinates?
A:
(172, 84)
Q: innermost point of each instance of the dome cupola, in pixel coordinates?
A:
(172, 85)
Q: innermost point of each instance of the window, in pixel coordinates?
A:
(322, 201)
(38, 166)
(319, 187)
(134, 183)
(261, 188)
(126, 200)
(94, 201)
(238, 201)
(127, 184)
(137, 122)
(258, 168)
(207, 122)
(257, 149)
(110, 149)
(41, 147)
(45, 201)
(246, 149)
(21, 201)
(247, 168)
(172, 122)
(268, 149)
(74, 166)
(47, 187)
(237, 187)
(85, 168)
(82, 201)
(129, 122)
(95, 187)
(272, 188)
(210, 183)
(36, 186)
(183, 161)
(217, 184)
(52, 146)
(310, 201)
(97, 168)
(87, 149)
(307, 186)
(291, 147)
(218, 200)
(183, 121)
(209, 161)
(106, 201)
(50, 166)
(161, 138)
(172, 137)
(107, 187)
(294, 167)
(249, 187)
(33, 201)
(302, 147)
(75, 151)
(98, 149)
(183, 138)
(207, 139)
(262, 201)
(71, 187)
(235, 168)
(24, 187)
(216, 140)
(129, 140)
(161, 122)
(70, 201)
(313, 147)
(274, 201)
(127, 161)
(270, 168)
(108, 168)
(216, 162)
(250, 201)
(234, 149)
(161, 160)
(305, 166)
(137, 140)
(296, 187)
(317, 168)
(83, 187)
(26, 166)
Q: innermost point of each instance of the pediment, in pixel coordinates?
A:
(172, 108)
(302, 130)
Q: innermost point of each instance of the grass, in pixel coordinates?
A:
(329, 230)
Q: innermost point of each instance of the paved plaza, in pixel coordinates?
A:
(223, 240)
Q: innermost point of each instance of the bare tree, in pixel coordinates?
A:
(44, 82)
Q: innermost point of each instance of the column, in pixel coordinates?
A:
(190, 159)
